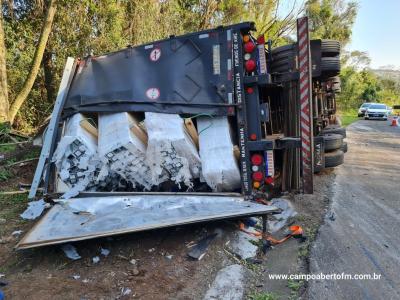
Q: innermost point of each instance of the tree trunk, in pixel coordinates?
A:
(30, 80)
(48, 69)
(4, 106)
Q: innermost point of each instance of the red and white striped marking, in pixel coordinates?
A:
(305, 104)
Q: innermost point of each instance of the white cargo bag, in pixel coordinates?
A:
(122, 151)
(76, 157)
(171, 152)
(219, 166)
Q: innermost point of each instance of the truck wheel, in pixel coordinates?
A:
(332, 141)
(344, 147)
(334, 159)
(334, 129)
(330, 48)
(330, 66)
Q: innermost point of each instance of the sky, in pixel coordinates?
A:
(377, 31)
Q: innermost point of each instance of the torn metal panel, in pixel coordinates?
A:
(92, 217)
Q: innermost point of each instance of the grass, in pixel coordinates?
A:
(7, 148)
(5, 175)
(347, 117)
(263, 296)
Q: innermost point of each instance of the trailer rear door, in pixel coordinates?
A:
(93, 217)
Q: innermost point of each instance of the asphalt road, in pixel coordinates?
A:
(361, 233)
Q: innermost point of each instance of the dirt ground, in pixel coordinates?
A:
(149, 265)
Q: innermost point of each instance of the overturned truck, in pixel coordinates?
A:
(199, 127)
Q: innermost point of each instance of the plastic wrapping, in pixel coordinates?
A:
(171, 152)
(122, 152)
(76, 157)
(219, 166)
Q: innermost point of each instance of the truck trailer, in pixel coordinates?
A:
(276, 106)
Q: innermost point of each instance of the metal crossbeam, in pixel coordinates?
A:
(53, 125)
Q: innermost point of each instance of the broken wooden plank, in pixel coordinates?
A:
(89, 127)
(191, 130)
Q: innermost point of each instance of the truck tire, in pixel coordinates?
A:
(334, 129)
(330, 48)
(334, 159)
(330, 66)
(344, 147)
(332, 141)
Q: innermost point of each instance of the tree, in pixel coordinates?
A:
(331, 19)
(37, 59)
(4, 106)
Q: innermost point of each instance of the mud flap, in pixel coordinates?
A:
(93, 217)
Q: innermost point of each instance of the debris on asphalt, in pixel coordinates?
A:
(104, 252)
(278, 221)
(169, 256)
(34, 210)
(332, 216)
(70, 251)
(2, 275)
(152, 250)
(199, 250)
(76, 277)
(95, 259)
(133, 261)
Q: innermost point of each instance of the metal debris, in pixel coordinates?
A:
(34, 210)
(16, 233)
(278, 221)
(95, 259)
(104, 252)
(70, 251)
(76, 277)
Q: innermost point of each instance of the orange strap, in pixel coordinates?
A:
(295, 230)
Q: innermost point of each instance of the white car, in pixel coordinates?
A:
(363, 108)
(376, 111)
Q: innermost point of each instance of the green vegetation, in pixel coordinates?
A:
(7, 148)
(5, 175)
(264, 296)
(347, 119)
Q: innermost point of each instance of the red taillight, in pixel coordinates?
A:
(249, 90)
(250, 65)
(257, 176)
(249, 47)
(261, 39)
(256, 159)
(269, 180)
(253, 136)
